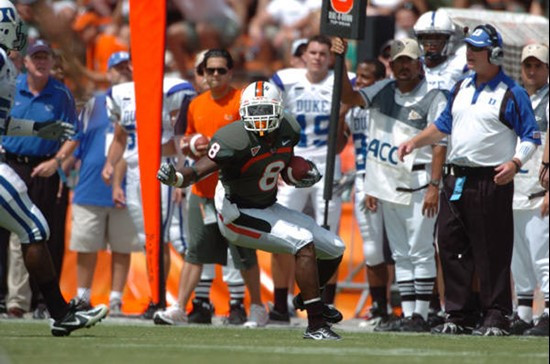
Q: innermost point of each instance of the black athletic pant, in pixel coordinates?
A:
(43, 193)
(475, 233)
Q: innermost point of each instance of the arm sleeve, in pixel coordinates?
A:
(444, 123)
(519, 113)
(113, 108)
(437, 108)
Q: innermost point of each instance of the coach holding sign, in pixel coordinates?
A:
(485, 114)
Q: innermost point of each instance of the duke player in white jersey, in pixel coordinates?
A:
(530, 254)
(121, 109)
(371, 223)
(442, 69)
(17, 212)
(307, 95)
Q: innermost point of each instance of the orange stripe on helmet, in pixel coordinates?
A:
(260, 88)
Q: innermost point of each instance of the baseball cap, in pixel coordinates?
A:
(406, 47)
(481, 38)
(539, 51)
(296, 45)
(38, 46)
(116, 58)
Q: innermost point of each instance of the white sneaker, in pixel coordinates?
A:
(173, 315)
(258, 316)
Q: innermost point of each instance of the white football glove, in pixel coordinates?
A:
(313, 176)
(167, 174)
(53, 130)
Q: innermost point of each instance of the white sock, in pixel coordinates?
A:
(525, 313)
(422, 308)
(83, 294)
(115, 295)
(408, 308)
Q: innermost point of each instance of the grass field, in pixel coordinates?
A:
(128, 342)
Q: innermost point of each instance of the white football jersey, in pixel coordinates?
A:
(357, 119)
(445, 75)
(121, 108)
(8, 76)
(310, 104)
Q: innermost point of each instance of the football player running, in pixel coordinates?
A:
(17, 212)
(250, 155)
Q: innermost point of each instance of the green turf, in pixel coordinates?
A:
(30, 342)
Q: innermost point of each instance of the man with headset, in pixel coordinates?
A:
(485, 114)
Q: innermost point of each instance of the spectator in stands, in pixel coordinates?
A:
(207, 24)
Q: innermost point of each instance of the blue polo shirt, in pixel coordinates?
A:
(55, 102)
(478, 135)
(95, 128)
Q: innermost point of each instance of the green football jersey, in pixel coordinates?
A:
(250, 164)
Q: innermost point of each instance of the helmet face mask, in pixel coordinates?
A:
(261, 107)
(12, 29)
(434, 28)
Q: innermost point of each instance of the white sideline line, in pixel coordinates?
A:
(333, 351)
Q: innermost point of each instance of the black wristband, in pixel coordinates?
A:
(516, 163)
(545, 164)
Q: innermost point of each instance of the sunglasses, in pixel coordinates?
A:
(221, 71)
(474, 48)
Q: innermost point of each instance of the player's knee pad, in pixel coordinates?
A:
(374, 255)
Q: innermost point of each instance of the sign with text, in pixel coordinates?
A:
(344, 18)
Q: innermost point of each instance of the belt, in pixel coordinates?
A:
(26, 159)
(460, 171)
(419, 167)
(536, 195)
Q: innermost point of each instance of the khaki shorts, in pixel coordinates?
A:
(206, 245)
(93, 227)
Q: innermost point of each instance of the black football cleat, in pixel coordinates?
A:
(76, 319)
(322, 333)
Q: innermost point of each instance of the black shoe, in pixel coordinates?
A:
(541, 328)
(76, 319)
(374, 318)
(81, 305)
(40, 312)
(276, 317)
(392, 324)
(415, 323)
(150, 311)
(435, 318)
(322, 333)
(3, 308)
(201, 312)
(518, 326)
(490, 331)
(237, 314)
(451, 328)
(330, 313)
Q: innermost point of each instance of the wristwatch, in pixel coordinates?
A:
(435, 182)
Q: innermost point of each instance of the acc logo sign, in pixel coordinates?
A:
(342, 6)
(383, 151)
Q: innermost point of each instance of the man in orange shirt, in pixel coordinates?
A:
(207, 113)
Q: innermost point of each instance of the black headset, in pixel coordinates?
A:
(496, 53)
